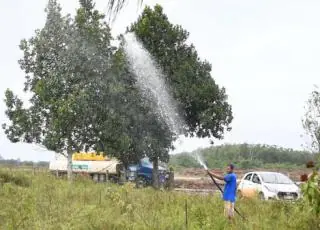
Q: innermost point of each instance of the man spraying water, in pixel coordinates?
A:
(229, 193)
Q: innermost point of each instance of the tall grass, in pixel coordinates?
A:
(50, 203)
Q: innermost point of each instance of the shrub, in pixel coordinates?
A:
(20, 180)
(311, 192)
(310, 164)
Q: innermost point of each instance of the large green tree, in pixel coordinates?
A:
(67, 65)
(83, 96)
(203, 103)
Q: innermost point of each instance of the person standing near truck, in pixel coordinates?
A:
(230, 190)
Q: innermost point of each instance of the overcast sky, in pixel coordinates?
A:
(265, 53)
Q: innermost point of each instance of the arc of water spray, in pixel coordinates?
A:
(151, 82)
(201, 162)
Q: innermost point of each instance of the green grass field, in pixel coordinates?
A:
(44, 202)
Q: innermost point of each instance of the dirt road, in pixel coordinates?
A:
(198, 179)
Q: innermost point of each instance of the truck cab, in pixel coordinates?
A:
(141, 173)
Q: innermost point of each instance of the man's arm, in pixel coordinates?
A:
(216, 176)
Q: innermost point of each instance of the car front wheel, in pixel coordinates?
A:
(261, 196)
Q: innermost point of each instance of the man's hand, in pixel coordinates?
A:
(215, 175)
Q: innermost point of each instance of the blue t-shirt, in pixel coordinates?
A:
(230, 188)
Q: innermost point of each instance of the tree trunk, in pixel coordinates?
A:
(155, 174)
(171, 179)
(69, 166)
(123, 173)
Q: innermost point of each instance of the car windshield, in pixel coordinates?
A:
(275, 178)
(145, 162)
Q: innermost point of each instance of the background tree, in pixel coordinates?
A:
(311, 124)
(311, 121)
(245, 156)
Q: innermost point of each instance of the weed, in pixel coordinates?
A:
(20, 180)
(50, 203)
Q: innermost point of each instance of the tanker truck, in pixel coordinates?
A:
(102, 169)
(98, 167)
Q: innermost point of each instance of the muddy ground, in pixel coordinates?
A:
(193, 178)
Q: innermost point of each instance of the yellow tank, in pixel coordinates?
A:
(99, 157)
(91, 156)
(87, 156)
(75, 156)
(81, 157)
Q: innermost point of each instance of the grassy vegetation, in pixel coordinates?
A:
(49, 203)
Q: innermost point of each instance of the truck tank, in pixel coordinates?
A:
(99, 169)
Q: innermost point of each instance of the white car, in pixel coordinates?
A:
(268, 185)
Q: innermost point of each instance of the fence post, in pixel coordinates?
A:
(84, 195)
(186, 212)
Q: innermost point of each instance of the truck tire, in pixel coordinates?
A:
(95, 177)
(141, 182)
(102, 178)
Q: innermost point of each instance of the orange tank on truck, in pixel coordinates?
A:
(83, 156)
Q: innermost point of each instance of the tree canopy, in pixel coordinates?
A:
(203, 104)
